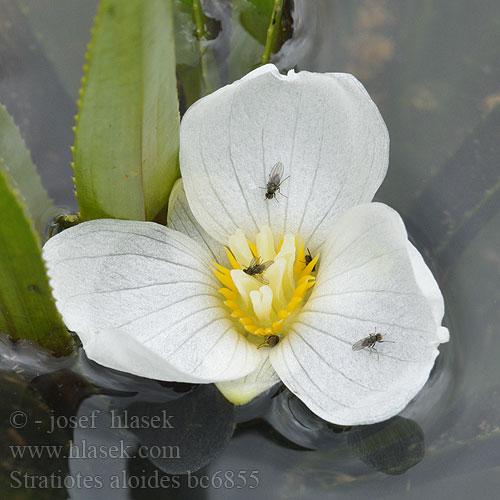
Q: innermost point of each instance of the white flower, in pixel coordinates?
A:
(174, 304)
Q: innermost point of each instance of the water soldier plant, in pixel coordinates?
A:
(224, 292)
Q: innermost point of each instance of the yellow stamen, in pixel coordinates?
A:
(278, 326)
(280, 244)
(253, 248)
(238, 313)
(293, 304)
(308, 269)
(305, 278)
(301, 290)
(232, 260)
(222, 269)
(228, 294)
(225, 280)
(250, 328)
(231, 304)
(263, 304)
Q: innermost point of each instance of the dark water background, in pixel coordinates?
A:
(432, 66)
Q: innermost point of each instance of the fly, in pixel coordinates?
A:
(271, 341)
(275, 181)
(308, 259)
(369, 342)
(257, 268)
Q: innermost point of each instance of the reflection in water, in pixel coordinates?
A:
(105, 422)
(391, 447)
(180, 426)
(291, 418)
(100, 420)
(25, 420)
(194, 429)
(100, 453)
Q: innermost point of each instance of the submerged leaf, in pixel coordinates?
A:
(17, 162)
(391, 447)
(463, 196)
(127, 131)
(195, 35)
(27, 309)
(223, 41)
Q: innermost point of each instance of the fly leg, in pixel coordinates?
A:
(371, 348)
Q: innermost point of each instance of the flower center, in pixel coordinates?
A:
(265, 286)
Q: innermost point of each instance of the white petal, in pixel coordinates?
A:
(323, 128)
(182, 219)
(430, 290)
(154, 285)
(366, 283)
(120, 350)
(243, 390)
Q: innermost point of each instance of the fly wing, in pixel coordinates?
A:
(276, 173)
(260, 279)
(360, 344)
(265, 265)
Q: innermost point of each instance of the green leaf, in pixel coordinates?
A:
(248, 34)
(27, 309)
(258, 30)
(127, 131)
(266, 6)
(17, 162)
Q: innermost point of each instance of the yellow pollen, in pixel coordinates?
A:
(283, 314)
(262, 299)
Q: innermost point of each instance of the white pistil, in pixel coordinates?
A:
(275, 277)
(262, 301)
(239, 246)
(287, 252)
(245, 284)
(265, 244)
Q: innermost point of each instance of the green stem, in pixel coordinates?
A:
(200, 22)
(199, 19)
(272, 30)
